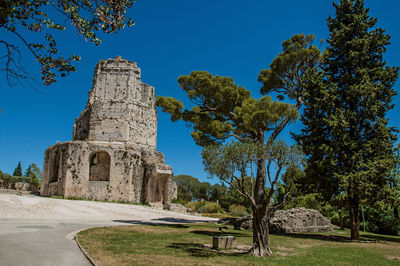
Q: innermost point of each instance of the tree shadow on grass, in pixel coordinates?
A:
(199, 250)
(381, 238)
(160, 221)
(177, 225)
(337, 238)
(334, 238)
(216, 233)
(179, 220)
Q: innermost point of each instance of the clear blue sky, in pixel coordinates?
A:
(171, 38)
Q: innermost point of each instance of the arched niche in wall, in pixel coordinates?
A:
(55, 166)
(99, 163)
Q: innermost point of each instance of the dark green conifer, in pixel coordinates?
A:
(18, 170)
(346, 135)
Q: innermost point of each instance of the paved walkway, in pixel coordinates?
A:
(26, 239)
(39, 242)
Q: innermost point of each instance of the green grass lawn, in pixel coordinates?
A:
(190, 244)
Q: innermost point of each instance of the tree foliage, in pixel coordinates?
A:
(18, 170)
(232, 197)
(34, 173)
(34, 23)
(190, 188)
(233, 163)
(346, 135)
(288, 70)
(393, 186)
(224, 111)
(218, 192)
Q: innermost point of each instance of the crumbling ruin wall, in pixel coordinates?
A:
(295, 220)
(173, 190)
(156, 187)
(54, 170)
(299, 220)
(126, 172)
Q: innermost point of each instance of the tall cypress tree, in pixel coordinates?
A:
(18, 170)
(346, 135)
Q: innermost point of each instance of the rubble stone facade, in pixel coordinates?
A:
(112, 155)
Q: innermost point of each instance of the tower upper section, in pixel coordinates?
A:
(120, 106)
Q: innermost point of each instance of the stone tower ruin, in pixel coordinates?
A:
(113, 154)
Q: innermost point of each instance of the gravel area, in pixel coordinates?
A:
(35, 207)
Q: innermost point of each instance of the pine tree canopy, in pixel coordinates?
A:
(287, 70)
(223, 109)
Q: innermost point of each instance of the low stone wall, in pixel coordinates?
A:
(17, 192)
(20, 186)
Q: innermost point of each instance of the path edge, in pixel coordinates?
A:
(85, 253)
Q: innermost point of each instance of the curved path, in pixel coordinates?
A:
(39, 231)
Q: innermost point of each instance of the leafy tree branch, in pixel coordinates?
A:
(42, 18)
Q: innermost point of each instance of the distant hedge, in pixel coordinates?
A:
(8, 181)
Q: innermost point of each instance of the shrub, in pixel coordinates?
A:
(381, 221)
(204, 207)
(191, 205)
(199, 206)
(212, 207)
(216, 215)
(179, 201)
(238, 210)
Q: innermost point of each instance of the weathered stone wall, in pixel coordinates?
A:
(157, 183)
(53, 182)
(173, 190)
(126, 173)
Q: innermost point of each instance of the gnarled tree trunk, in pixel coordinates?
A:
(260, 221)
(260, 246)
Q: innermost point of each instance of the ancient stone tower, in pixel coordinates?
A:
(112, 155)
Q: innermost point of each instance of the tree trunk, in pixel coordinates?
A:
(260, 234)
(260, 222)
(354, 206)
(261, 203)
(396, 212)
(341, 221)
